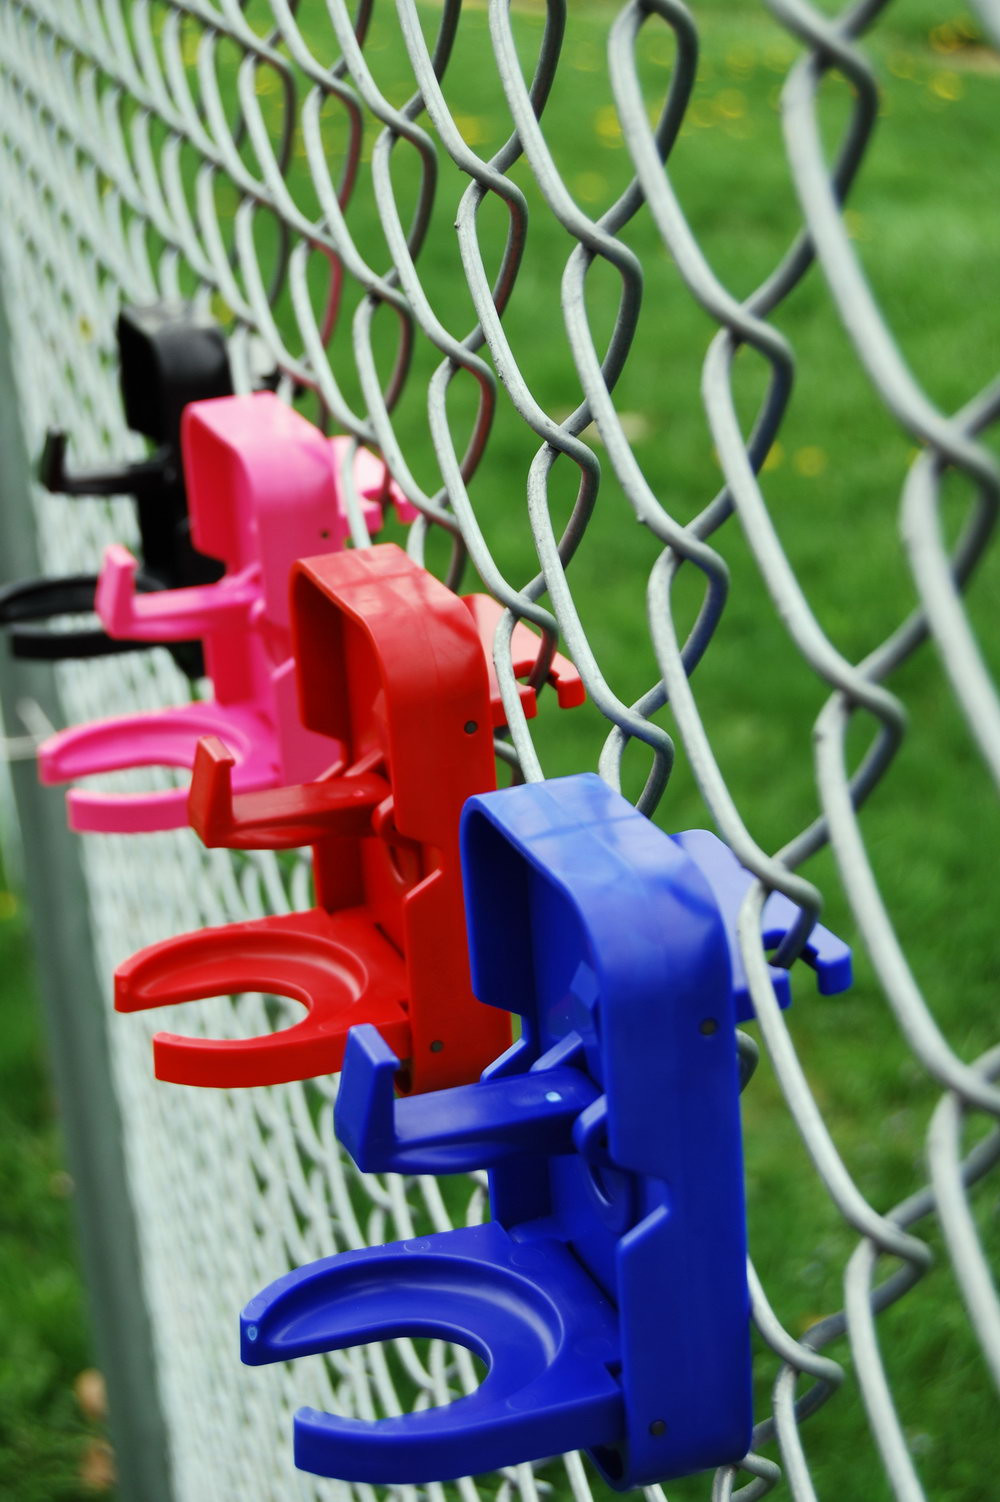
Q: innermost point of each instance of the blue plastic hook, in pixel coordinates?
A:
(608, 1296)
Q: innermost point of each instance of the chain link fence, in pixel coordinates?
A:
(403, 206)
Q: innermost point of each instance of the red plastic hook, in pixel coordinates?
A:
(525, 649)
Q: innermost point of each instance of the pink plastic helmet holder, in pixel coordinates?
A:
(263, 490)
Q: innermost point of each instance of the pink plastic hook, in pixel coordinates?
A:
(263, 491)
(160, 738)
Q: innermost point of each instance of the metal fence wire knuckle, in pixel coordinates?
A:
(392, 679)
(263, 493)
(608, 1294)
(169, 355)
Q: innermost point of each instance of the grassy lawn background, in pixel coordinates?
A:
(52, 1445)
(924, 219)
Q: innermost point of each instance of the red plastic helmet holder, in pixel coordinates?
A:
(390, 666)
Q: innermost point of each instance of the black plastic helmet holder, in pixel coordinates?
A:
(169, 355)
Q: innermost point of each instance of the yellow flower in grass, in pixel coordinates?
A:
(946, 86)
(608, 125)
(810, 462)
(731, 104)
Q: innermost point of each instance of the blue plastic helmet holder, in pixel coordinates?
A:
(608, 1296)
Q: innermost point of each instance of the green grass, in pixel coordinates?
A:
(47, 1445)
(924, 220)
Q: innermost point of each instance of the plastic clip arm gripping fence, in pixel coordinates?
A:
(608, 1296)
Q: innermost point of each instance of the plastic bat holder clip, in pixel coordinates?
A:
(608, 1295)
(263, 492)
(168, 356)
(391, 668)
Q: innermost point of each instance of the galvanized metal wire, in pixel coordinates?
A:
(218, 151)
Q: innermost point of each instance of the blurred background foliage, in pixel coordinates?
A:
(924, 220)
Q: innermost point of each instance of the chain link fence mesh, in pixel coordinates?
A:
(400, 206)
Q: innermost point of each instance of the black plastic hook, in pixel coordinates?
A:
(23, 606)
